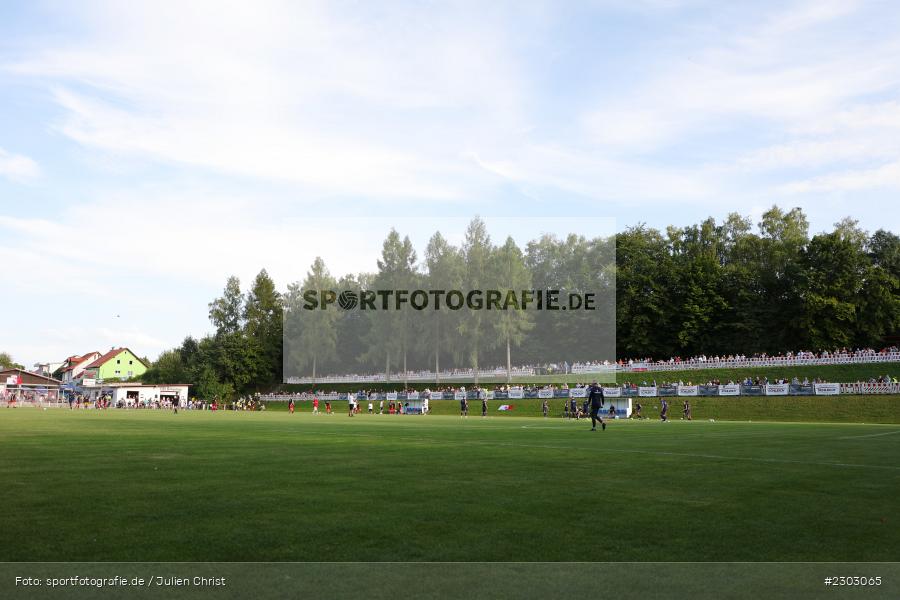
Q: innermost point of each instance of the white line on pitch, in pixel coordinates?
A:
(869, 435)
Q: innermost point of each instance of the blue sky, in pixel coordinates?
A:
(150, 149)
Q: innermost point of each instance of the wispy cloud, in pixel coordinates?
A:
(393, 102)
(17, 167)
(778, 74)
(288, 92)
(885, 176)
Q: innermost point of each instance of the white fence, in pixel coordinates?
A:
(870, 388)
(773, 361)
(455, 375)
(586, 369)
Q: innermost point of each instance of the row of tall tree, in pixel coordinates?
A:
(712, 288)
(357, 341)
(723, 288)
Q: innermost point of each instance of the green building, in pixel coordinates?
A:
(118, 363)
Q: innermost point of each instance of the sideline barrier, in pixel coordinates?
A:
(870, 388)
(730, 390)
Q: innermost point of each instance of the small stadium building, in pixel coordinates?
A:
(133, 394)
(26, 386)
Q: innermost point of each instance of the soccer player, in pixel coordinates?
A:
(545, 408)
(351, 403)
(637, 412)
(595, 395)
(328, 407)
(291, 406)
(663, 410)
(464, 406)
(687, 411)
(483, 402)
(381, 407)
(371, 408)
(315, 405)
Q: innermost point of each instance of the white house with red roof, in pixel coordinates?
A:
(76, 365)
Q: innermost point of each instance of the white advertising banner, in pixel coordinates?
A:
(576, 369)
(516, 393)
(688, 390)
(613, 392)
(730, 389)
(490, 395)
(459, 396)
(777, 389)
(647, 391)
(545, 393)
(577, 392)
(391, 396)
(412, 395)
(827, 389)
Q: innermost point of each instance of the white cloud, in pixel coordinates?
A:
(807, 14)
(782, 74)
(884, 176)
(595, 177)
(290, 92)
(849, 151)
(392, 102)
(177, 235)
(17, 167)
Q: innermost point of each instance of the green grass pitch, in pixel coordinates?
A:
(154, 486)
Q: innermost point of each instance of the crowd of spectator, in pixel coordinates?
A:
(799, 358)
